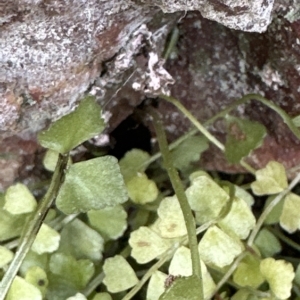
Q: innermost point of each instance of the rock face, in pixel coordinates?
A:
(222, 65)
(248, 15)
(55, 50)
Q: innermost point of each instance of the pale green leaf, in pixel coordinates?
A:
(66, 268)
(290, 216)
(50, 160)
(206, 198)
(19, 200)
(47, 240)
(102, 296)
(10, 225)
(171, 221)
(141, 190)
(38, 278)
(5, 256)
(248, 272)
(279, 274)
(243, 136)
(198, 173)
(240, 219)
(218, 248)
(244, 195)
(110, 222)
(21, 289)
(134, 161)
(78, 296)
(189, 151)
(81, 241)
(270, 180)
(147, 245)
(119, 275)
(181, 265)
(183, 288)
(75, 128)
(156, 285)
(267, 243)
(92, 184)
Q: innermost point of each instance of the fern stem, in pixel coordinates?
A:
(269, 208)
(34, 225)
(179, 191)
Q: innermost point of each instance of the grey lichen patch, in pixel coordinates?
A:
(247, 15)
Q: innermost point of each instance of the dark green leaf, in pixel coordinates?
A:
(189, 151)
(92, 184)
(74, 128)
(81, 241)
(76, 272)
(243, 136)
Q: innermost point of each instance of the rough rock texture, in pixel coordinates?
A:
(55, 50)
(248, 15)
(222, 65)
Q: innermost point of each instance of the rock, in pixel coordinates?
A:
(52, 52)
(221, 66)
(247, 15)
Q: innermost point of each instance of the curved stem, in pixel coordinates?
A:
(179, 191)
(269, 208)
(223, 113)
(230, 271)
(147, 275)
(197, 124)
(34, 225)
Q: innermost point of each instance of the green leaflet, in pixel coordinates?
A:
(170, 222)
(142, 190)
(248, 273)
(134, 161)
(81, 241)
(10, 225)
(5, 256)
(290, 216)
(19, 200)
(75, 128)
(206, 197)
(147, 245)
(267, 243)
(183, 288)
(270, 180)
(181, 265)
(21, 289)
(92, 184)
(46, 241)
(119, 275)
(110, 222)
(218, 248)
(74, 273)
(189, 151)
(37, 277)
(156, 285)
(279, 274)
(243, 136)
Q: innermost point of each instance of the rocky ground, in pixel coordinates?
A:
(53, 52)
